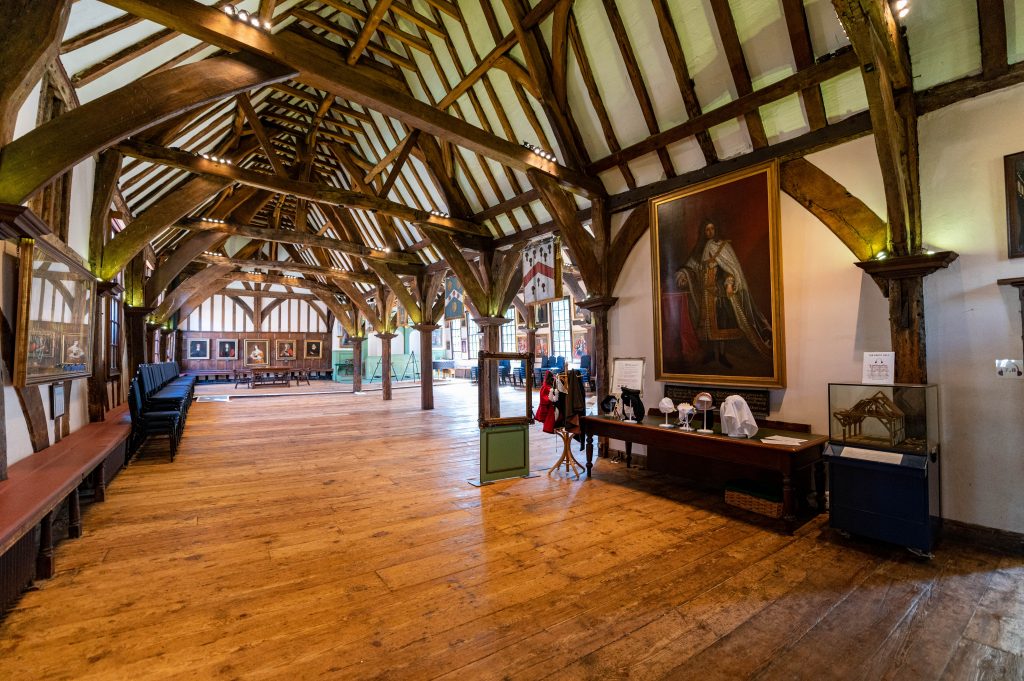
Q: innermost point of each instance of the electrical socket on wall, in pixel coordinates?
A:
(1010, 368)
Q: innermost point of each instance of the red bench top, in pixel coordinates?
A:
(37, 484)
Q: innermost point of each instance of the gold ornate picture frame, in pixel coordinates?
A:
(717, 270)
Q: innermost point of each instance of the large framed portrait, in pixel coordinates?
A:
(285, 350)
(717, 269)
(1014, 170)
(53, 338)
(199, 348)
(227, 348)
(257, 352)
(313, 349)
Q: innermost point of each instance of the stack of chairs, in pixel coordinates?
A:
(159, 399)
(519, 375)
(585, 367)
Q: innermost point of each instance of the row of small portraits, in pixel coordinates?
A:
(42, 345)
(256, 351)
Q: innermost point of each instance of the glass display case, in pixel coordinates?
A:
(897, 418)
(883, 463)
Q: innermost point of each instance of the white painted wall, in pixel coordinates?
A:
(834, 312)
(972, 321)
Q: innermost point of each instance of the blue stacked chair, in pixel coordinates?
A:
(505, 371)
(147, 422)
(519, 375)
(585, 366)
(164, 389)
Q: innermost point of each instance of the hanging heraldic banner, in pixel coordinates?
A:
(454, 307)
(542, 272)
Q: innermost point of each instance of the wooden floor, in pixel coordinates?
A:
(336, 537)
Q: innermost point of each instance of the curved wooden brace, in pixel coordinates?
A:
(636, 225)
(244, 307)
(31, 161)
(849, 218)
(265, 312)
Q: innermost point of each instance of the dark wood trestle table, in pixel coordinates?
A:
(787, 460)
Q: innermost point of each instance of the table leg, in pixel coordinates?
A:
(74, 515)
(590, 453)
(629, 454)
(788, 501)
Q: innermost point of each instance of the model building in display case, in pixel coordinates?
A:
(893, 417)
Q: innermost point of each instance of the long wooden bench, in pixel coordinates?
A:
(211, 374)
(36, 487)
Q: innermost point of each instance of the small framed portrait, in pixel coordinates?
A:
(313, 349)
(257, 352)
(41, 344)
(285, 350)
(199, 348)
(227, 348)
(1014, 170)
(437, 338)
(73, 349)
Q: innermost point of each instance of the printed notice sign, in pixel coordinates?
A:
(628, 373)
(879, 367)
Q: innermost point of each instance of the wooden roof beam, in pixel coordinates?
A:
(370, 25)
(319, 67)
(992, 24)
(803, 57)
(307, 190)
(738, 67)
(290, 266)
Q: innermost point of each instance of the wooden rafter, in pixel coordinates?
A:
(738, 67)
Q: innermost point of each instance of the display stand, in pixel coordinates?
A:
(411, 362)
(566, 459)
(504, 442)
(373, 375)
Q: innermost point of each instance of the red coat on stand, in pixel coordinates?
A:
(546, 412)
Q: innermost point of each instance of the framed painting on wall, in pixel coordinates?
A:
(227, 348)
(1014, 169)
(285, 350)
(257, 352)
(717, 272)
(199, 348)
(437, 339)
(55, 301)
(313, 349)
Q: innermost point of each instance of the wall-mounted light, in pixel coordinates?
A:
(543, 153)
(247, 18)
(902, 8)
(881, 255)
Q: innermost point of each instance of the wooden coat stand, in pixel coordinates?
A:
(570, 462)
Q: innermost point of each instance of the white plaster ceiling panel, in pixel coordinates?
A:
(844, 95)
(1014, 30)
(641, 25)
(88, 14)
(944, 41)
(610, 73)
(762, 30)
(731, 138)
(705, 58)
(686, 155)
(583, 111)
(784, 119)
(613, 181)
(647, 169)
(827, 34)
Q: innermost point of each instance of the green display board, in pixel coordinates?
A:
(504, 452)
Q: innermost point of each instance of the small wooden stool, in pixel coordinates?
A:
(571, 464)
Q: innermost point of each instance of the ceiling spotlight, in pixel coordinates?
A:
(242, 15)
(904, 12)
(229, 10)
(267, 25)
(255, 21)
(901, 4)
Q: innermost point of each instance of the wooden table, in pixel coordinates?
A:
(784, 459)
(271, 375)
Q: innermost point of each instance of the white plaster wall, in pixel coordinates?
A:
(972, 321)
(19, 445)
(833, 311)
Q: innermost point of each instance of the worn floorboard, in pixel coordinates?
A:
(335, 536)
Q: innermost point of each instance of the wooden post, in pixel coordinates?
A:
(357, 363)
(135, 336)
(491, 342)
(179, 346)
(385, 363)
(601, 362)
(426, 364)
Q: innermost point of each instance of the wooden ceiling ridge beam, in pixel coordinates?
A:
(303, 238)
(288, 266)
(318, 66)
(820, 72)
(308, 190)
